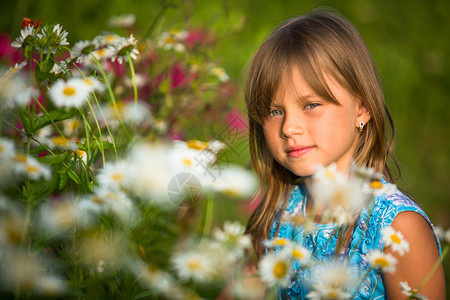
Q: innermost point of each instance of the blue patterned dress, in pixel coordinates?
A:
(322, 241)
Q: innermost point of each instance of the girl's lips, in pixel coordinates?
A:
(299, 151)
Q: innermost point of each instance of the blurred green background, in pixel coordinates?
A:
(410, 42)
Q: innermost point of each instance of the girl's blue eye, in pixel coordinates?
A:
(274, 113)
(311, 105)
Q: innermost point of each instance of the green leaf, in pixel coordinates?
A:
(42, 72)
(55, 115)
(37, 150)
(27, 122)
(63, 180)
(53, 158)
(73, 176)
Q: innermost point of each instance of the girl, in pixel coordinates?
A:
(314, 98)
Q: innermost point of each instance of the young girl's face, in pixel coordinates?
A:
(304, 130)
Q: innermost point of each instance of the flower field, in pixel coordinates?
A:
(124, 174)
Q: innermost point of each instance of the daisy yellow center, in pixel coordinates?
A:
(395, 238)
(195, 264)
(59, 141)
(280, 242)
(88, 82)
(81, 152)
(280, 269)
(2, 148)
(12, 71)
(332, 295)
(117, 176)
(98, 200)
(218, 71)
(69, 91)
(381, 261)
(187, 162)
(32, 169)
(170, 40)
(110, 38)
(20, 158)
(101, 52)
(231, 192)
(298, 254)
(197, 145)
(330, 175)
(376, 184)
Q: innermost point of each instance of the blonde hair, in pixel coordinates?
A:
(317, 44)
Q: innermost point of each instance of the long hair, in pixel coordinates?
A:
(317, 44)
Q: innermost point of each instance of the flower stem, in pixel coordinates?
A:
(133, 78)
(433, 269)
(208, 209)
(111, 94)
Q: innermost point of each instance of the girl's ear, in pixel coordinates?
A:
(363, 114)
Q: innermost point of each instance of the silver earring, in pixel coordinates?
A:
(361, 126)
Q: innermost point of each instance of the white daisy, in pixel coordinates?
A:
(115, 175)
(71, 93)
(93, 84)
(172, 41)
(106, 201)
(194, 265)
(59, 217)
(13, 92)
(331, 189)
(107, 39)
(122, 21)
(219, 73)
(84, 48)
(52, 38)
(234, 181)
(322, 291)
(377, 259)
(59, 142)
(396, 240)
(275, 269)
(135, 112)
(298, 253)
(412, 293)
(277, 242)
(119, 50)
(16, 68)
(60, 68)
(233, 237)
(28, 31)
(444, 235)
(31, 167)
(7, 149)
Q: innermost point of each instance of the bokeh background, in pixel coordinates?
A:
(410, 42)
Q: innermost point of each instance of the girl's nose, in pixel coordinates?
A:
(291, 126)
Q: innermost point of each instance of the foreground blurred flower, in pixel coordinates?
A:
(234, 181)
(6, 149)
(59, 217)
(13, 92)
(102, 252)
(384, 261)
(331, 280)
(59, 142)
(105, 201)
(16, 68)
(233, 238)
(115, 176)
(275, 269)
(31, 167)
(71, 93)
(396, 240)
(194, 265)
(411, 293)
(27, 273)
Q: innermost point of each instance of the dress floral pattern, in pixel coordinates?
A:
(322, 241)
